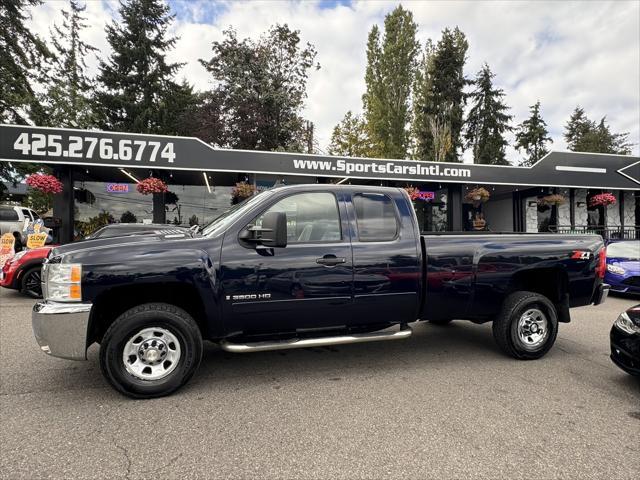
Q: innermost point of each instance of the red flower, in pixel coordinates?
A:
(151, 185)
(602, 199)
(44, 183)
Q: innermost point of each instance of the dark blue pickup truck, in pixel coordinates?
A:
(303, 266)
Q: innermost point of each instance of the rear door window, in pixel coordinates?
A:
(375, 217)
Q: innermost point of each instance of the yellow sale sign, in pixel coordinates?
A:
(7, 242)
(36, 240)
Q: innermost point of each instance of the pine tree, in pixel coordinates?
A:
(440, 99)
(584, 135)
(350, 137)
(389, 77)
(22, 58)
(69, 92)
(577, 127)
(532, 136)
(487, 121)
(22, 54)
(137, 83)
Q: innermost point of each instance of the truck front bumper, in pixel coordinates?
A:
(61, 328)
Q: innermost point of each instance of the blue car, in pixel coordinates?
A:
(623, 266)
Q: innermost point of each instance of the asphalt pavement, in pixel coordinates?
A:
(443, 404)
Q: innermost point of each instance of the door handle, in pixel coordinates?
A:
(330, 260)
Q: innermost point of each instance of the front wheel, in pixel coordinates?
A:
(31, 282)
(151, 350)
(527, 326)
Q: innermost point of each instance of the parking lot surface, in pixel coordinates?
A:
(444, 403)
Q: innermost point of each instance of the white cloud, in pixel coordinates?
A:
(563, 53)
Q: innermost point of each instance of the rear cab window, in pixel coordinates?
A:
(8, 214)
(27, 214)
(376, 217)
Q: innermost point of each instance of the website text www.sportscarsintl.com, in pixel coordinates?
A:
(414, 169)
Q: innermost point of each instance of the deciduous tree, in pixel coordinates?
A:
(260, 90)
(391, 62)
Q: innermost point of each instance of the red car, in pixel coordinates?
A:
(22, 272)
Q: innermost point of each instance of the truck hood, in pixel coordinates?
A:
(120, 242)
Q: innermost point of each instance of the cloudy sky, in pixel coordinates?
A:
(563, 53)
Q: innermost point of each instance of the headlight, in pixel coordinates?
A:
(62, 282)
(616, 269)
(624, 323)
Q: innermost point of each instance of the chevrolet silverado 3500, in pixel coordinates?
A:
(303, 266)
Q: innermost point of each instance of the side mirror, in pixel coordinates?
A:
(274, 229)
(272, 233)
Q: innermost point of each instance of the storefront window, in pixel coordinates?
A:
(193, 204)
(432, 213)
(100, 203)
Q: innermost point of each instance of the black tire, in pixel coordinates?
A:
(441, 321)
(160, 316)
(30, 284)
(511, 339)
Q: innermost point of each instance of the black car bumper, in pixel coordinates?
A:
(625, 351)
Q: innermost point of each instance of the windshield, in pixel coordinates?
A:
(630, 250)
(229, 216)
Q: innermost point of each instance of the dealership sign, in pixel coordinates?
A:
(126, 150)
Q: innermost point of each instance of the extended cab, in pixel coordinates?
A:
(302, 266)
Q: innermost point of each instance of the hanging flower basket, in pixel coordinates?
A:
(550, 200)
(603, 199)
(151, 185)
(241, 191)
(477, 195)
(413, 192)
(44, 183)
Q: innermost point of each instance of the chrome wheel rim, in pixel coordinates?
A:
(533, 329)
(151, 354)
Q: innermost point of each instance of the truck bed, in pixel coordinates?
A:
(468, 275)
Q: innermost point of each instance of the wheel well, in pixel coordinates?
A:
(553, 283)
(111, 304)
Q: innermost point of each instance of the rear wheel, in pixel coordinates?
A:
(527, 325)
(31, 282)
(151, 350)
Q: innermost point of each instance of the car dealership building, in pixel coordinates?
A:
(100, 170)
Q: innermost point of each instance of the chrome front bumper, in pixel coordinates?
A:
(61, 328)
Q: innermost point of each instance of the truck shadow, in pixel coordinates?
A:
(459, 342)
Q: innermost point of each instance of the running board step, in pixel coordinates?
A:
(316, 342)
